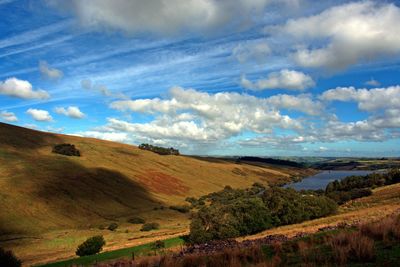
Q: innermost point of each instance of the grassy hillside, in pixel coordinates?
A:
(46, 196)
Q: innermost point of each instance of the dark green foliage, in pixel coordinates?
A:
(150, 226)
(181, 209)
(160, 150)
(66, 149)
(342, 197)
(136, 220)
(353, 187)
(235, 212)
(112, 227)
(8, 259)
(91, 246)
(289, 206)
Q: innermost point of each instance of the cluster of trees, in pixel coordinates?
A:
(353, 187)
(235, 212)
(159, 150)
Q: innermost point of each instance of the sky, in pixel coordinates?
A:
(209, 77)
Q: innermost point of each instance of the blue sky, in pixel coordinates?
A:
(246, 77)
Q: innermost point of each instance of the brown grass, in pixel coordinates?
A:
(354, 246)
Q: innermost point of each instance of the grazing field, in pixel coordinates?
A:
(49, 202)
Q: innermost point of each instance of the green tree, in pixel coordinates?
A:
(91, 246)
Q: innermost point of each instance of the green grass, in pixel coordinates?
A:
(115, 254)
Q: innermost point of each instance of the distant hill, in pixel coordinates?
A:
(43, 191)
(271, 161)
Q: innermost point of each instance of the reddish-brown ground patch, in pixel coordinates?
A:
(159, 182)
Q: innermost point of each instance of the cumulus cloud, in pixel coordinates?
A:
(8, 116)
(196, 116)
(21, 89)
(39, 114)
(367, 99)
(48, 72)
(349, 34)
(166, 16)
(109, 136)
(70, 111)
(284, 79)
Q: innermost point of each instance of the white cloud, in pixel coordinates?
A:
(48, 72)
(367, 99)
(373, 82)
(352, 33)
(8, 116)
(71, 111)
(284, 79)
(39, 114)
(109, 136)
(167, 16)
(196, 116)
(21, 89)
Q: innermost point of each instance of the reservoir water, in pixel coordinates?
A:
(322, 179)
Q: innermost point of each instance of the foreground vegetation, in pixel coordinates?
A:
(371, 244)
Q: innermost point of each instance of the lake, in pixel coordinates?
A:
(322, 179)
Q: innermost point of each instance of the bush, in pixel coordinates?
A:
(91, 246)
(136, 220)
(112, 227)
(150, 226)
(7, 258)
(66, 149)
(181, 209)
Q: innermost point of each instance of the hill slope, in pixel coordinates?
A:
(43, 191)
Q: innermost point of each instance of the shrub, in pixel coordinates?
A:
(7, 258)
(181, 209)
(91, 246)
(66, 149)
(136, 220)
(150, 226)
(112, 227)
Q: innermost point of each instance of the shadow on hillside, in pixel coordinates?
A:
(23, 138)
(214, 160)
(69, 195)
(100, 191)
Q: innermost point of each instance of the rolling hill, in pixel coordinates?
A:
(44, 195)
